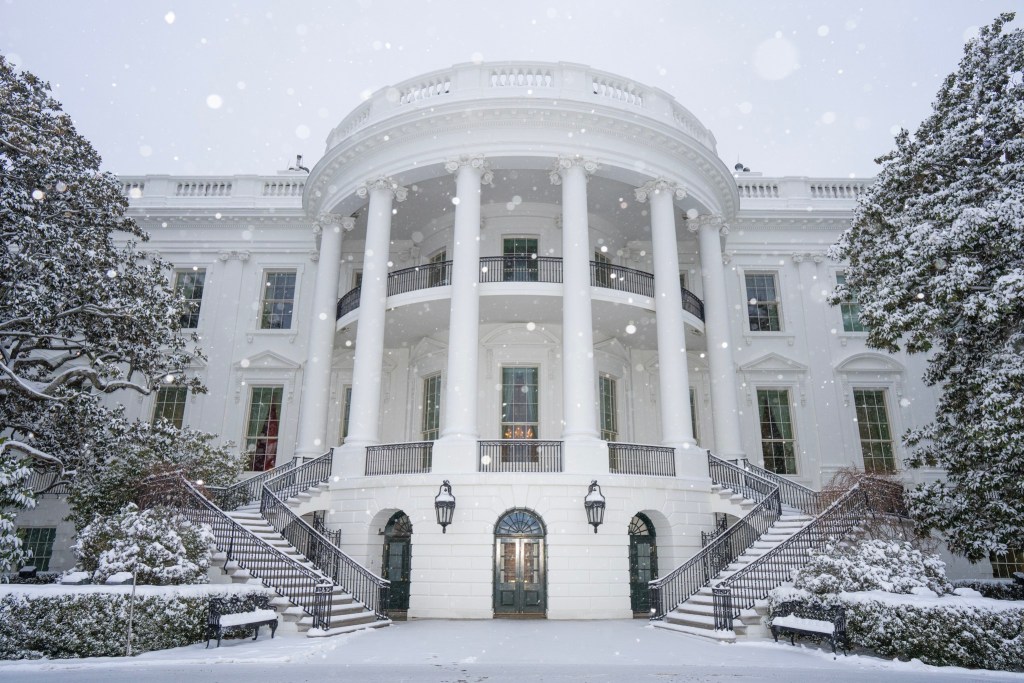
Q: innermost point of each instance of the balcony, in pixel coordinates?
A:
(525, 268)
(519, 455)
(420, 277)
(399, 458)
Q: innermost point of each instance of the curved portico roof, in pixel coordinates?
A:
(521, 115)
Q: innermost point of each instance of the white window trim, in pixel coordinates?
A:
(189, 268)
(750, 336)
(297, 310)
(841, 333)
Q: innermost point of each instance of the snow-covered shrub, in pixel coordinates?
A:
(947, 631)
(92, 621)
(997, 589)
(892, 566)
(163, 547)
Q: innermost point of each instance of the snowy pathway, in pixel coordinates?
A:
(499, 651)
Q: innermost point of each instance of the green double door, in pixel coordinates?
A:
(643, 563)
(397, 562)
(519, 586)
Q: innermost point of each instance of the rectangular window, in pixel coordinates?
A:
(1004, 566)
(278, 300)
(519, 403)
(346, 413)
(602, 270)
(875, 435)
(189, 284)
(763, 302)
(778, 446)
(431, 407)
(40, 541)
(520, 259)
(609, 409)
(170, 405)
(262, 427)
(357, 279)
(438, 274)
(850, 310)
(693, 414)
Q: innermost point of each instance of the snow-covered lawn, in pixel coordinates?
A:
(491, 651)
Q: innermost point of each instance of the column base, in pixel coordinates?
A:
(455, 454)
(585, 455)
(691, 460)
(349, 461)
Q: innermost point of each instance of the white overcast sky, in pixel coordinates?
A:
(790, 88)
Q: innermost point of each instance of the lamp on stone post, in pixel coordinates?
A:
(594, 505)
(444, 505)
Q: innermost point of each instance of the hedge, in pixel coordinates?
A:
(92, 621)
(997, 589)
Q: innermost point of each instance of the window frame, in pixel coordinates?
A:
(608, 405)
(852, 304)
(195, 304)
(160, 404)
(263, 313)
(790, 457)
(272, 441)
(507, 428)
(430, 422)
(39, 560)
(776, 302)
(864, 443)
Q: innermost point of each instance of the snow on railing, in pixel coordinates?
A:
(133, 190)
(768, 190)
(849, 190)
(755, 187)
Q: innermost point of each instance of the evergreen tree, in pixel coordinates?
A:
(83, 312)
(936, 260)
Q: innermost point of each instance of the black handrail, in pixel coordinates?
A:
(692, 303)
(637, 458)
(524, 268)
(349, 302)
(246, 491)
(428, 275)
(399, 458)
(793, 494)
(751, 583)
(364, 586)
(301, 585)
(748, 483)
(623, 279)
(519, 455)
(668, 591)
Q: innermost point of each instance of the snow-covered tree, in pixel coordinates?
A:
(82, 311)
(936, 260)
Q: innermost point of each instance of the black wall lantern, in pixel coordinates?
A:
(594, 505)
(444, 506)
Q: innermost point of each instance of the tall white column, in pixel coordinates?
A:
(364, 415)
(674, 378)
(579, 397)
(461, 389)
(724, 405)
(314, 400)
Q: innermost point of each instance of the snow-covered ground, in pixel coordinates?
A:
(496, 651)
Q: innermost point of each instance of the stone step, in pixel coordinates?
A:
(362, 617)
(720, 636)
(340, 630)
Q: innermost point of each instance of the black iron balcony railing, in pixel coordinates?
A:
(420, 277)
(792, 494)
(349, 302)
(526, 268)
(693, 304)
(637, 458)
(248, 490)
(399, 458)
(622, 279)
(519, 455)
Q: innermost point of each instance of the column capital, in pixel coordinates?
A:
(564, 163)
(716, 223)
(382, 183)
(658, 185)
(477, 162)
(346, 223)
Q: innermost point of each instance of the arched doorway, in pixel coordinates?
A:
(643, 563)
(395, 566)
(520, 571)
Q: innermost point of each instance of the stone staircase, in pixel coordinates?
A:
(346, 614)
(696, 616)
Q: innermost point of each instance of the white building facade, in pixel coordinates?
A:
(521, 278)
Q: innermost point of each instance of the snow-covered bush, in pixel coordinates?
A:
(947, 631)
(891, 566)
(160, 545)
(997, 589)
(92, 621)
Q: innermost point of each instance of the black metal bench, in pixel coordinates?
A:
(795, 618)
(220, 621)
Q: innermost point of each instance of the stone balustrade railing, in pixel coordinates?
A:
(800, 190)
(562, 82)
(244, 190)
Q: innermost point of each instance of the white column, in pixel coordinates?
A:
(579, 397)
(724, 405)
(364, 415)
(461, 389)
(674, 378)
(314, 400)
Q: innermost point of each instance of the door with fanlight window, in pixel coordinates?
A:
(520, 572)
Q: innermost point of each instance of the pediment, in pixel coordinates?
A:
(773, 362)
(428, 346)
(519, 335)
(869, 362)
(266, 360)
